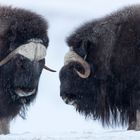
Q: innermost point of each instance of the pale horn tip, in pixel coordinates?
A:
(49, 69)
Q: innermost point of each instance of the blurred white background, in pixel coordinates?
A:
(49, 112)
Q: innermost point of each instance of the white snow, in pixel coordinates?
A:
(75, 135)
(49, 118)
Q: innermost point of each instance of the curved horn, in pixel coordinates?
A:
(47, 68)
(71, 56)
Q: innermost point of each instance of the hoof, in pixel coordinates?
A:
(132, 126)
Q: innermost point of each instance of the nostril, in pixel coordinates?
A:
(69, 96)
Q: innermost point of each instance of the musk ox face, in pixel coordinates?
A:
(101, 71)
(79, 85)
(23, 44)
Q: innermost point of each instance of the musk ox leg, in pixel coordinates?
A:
(132, 121)
(132, 125)
(4, 126)
(137, 128)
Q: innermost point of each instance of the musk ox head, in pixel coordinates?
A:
(23, 44)
(101, 73)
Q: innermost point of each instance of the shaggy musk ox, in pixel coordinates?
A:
(23, 44)
(101, 73)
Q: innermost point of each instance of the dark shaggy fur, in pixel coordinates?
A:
(112, 44)
(17, 26)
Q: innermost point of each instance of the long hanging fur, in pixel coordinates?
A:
(17, 26)
(112, 92)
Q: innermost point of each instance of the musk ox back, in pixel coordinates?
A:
(101, 73)
(23, 44)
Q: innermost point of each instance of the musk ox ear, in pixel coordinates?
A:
(3, 28)
(12, 34)
(12, 29)
(84, 47)
(7, 31)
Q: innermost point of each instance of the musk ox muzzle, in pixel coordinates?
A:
(72, 56)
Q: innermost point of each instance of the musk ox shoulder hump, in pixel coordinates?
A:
(93, 28)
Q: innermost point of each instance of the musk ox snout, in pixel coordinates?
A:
(26, 76)
(71, 84)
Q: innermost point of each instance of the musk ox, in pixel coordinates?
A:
(101, 72)
(23, 44)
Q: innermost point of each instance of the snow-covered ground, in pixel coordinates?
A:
(49, 118)
(76, 135)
